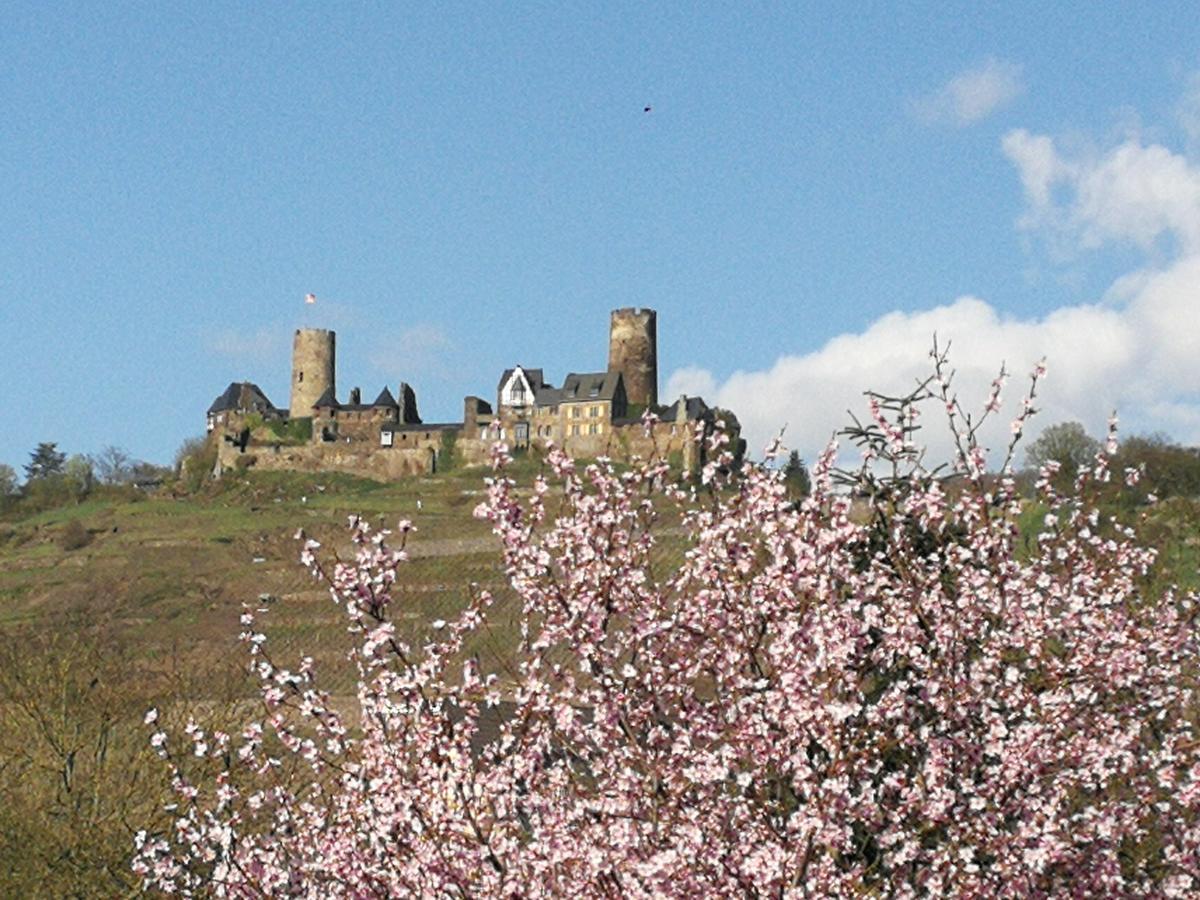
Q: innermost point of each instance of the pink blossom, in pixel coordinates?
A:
(812, 702)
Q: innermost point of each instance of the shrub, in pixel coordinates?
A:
(74, 536)
(79, 477)
(194, 462)
(47, 492)
(76, 774)
(448, 459)
(1166, 469)
(297, 431)
(811, 704)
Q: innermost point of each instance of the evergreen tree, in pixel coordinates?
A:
(795, 474)
(46, 460)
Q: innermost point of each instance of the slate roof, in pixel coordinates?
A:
(694, 408)
(385, 398)
(533, 376)
(581, 387)
(242, 395)
(327, 399)
(548, 396)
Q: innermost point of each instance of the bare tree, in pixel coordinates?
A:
(8, 481)
(113, 465)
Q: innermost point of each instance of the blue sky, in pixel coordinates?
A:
(464, 187)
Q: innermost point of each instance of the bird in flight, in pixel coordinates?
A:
(646, 109)
(310, 298)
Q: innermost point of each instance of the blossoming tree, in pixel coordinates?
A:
(872, 691)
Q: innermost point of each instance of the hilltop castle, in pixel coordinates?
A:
(592, 414)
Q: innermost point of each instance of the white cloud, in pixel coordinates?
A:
(972, 95)
(1137, 349)
(1134, 193)
(691, 380)
(420, 350)
(256, 347)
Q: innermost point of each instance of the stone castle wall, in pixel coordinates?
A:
(382, 465)
(420, 452)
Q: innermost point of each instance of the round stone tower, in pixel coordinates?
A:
(633, 351)
(312, 369)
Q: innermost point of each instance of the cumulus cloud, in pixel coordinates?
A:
(692, 381)
(1133, 193)
(1135, 350)
(973, 95)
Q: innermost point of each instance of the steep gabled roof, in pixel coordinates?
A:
(694, 408)
(581, 387)
(385, 398)
(327, 400)
(533, 376)
(244, 396)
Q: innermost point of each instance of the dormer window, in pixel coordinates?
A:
(518, 393)
(595, 391)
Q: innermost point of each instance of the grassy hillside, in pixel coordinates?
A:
(114, 605)
(168, 573)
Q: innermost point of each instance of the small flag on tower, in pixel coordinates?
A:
(310, 298)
